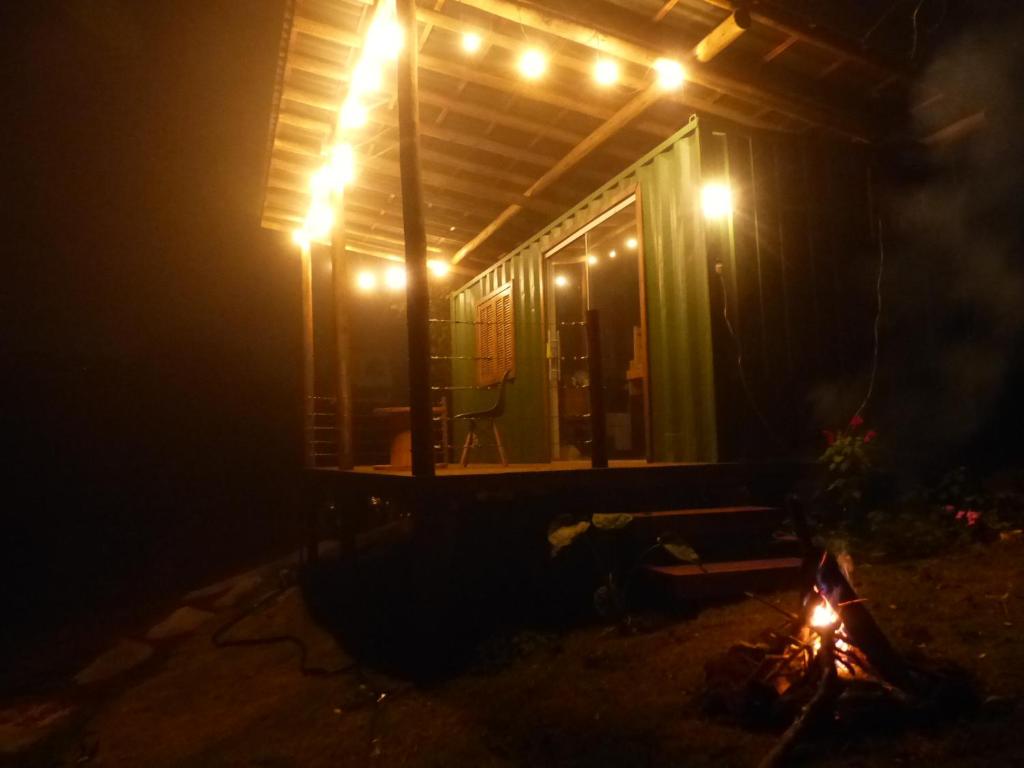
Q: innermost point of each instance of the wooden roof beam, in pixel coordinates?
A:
(585, 67)
(788, 104)
(722, 36)
(791, 26)
(632, 108)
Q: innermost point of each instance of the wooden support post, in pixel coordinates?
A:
(416, 293)
(341, 285)
(722, 36)
(598, 422)
(308, 379)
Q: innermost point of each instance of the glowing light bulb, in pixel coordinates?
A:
(631, 243)
(438, 267)
(384, 39)
(533, 63)
(301, 238)
(561, 281)
(592, 260)
(606, 72)
(612, 254)
(366, 281)
(471, 42)
(319, 220)
(394, 278)
(353, 114)
(342, 165)
(670, 73)
(366, 77)
(716, 200)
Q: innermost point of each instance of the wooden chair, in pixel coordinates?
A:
(492, 413)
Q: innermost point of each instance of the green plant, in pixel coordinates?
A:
(849, 457)
(606, 534)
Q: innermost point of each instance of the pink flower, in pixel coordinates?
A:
(856, 421)
(961, 514)
(973, 517)
(830, 436)
(870, 435)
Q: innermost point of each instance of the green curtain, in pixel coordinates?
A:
(682, 386)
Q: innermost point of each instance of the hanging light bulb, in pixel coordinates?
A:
(438, 267)
(353, 114)
(670, 73)
(716, 200)
(301, 238)
(606, 71)
(394, 278)
(384, 39)
(366, 77)
(561, 281)
(366, 281)
(533, 63)
(319, 220)
(612, 254)
(631, 243)
(471, 42)
(592, 260)
(343, 166)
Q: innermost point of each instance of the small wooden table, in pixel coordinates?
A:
(401, 434)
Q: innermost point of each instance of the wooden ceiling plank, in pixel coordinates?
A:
(758, 95)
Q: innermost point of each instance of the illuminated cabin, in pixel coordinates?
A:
(738, 202)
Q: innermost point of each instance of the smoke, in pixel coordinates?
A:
(958, 286)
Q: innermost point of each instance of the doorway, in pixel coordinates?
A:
(598, 267)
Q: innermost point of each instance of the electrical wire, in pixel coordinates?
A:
(878, 319)
(219, 640)
(739, 363)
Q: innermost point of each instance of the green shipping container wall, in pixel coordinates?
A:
(799, 261)
(682, 389)
(792, 268)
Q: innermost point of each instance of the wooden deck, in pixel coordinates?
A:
(511, 469)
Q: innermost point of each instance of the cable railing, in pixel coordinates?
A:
(380, 423)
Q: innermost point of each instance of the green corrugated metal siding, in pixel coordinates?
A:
(680, 359)
(682, 401)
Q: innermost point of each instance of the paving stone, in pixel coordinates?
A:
(183, 621)
(27, 723)
(242, 587)
(124, 656)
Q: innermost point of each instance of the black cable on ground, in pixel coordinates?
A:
(219, 640)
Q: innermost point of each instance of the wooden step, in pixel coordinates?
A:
(721, 579)
(710, 529)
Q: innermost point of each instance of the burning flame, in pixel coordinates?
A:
(823, 615)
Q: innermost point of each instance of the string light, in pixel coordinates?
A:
(301, 238)
(612, 254)
(366, 77)
(533, 63)
(319, 220)
(561, 281)
(366, 281)
(670, 73)
(471, 42)
(592, 260)
(394, 278)
(716, 200)
(631, 243)
(606, 72)
(384, 39)
(438, 267)
(353, 114)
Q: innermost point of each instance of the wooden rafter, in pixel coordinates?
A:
(758, 95)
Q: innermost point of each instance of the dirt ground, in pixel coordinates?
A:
(591, 696)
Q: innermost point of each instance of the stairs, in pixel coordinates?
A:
(738, 547)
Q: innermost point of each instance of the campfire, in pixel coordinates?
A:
(829, 663)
